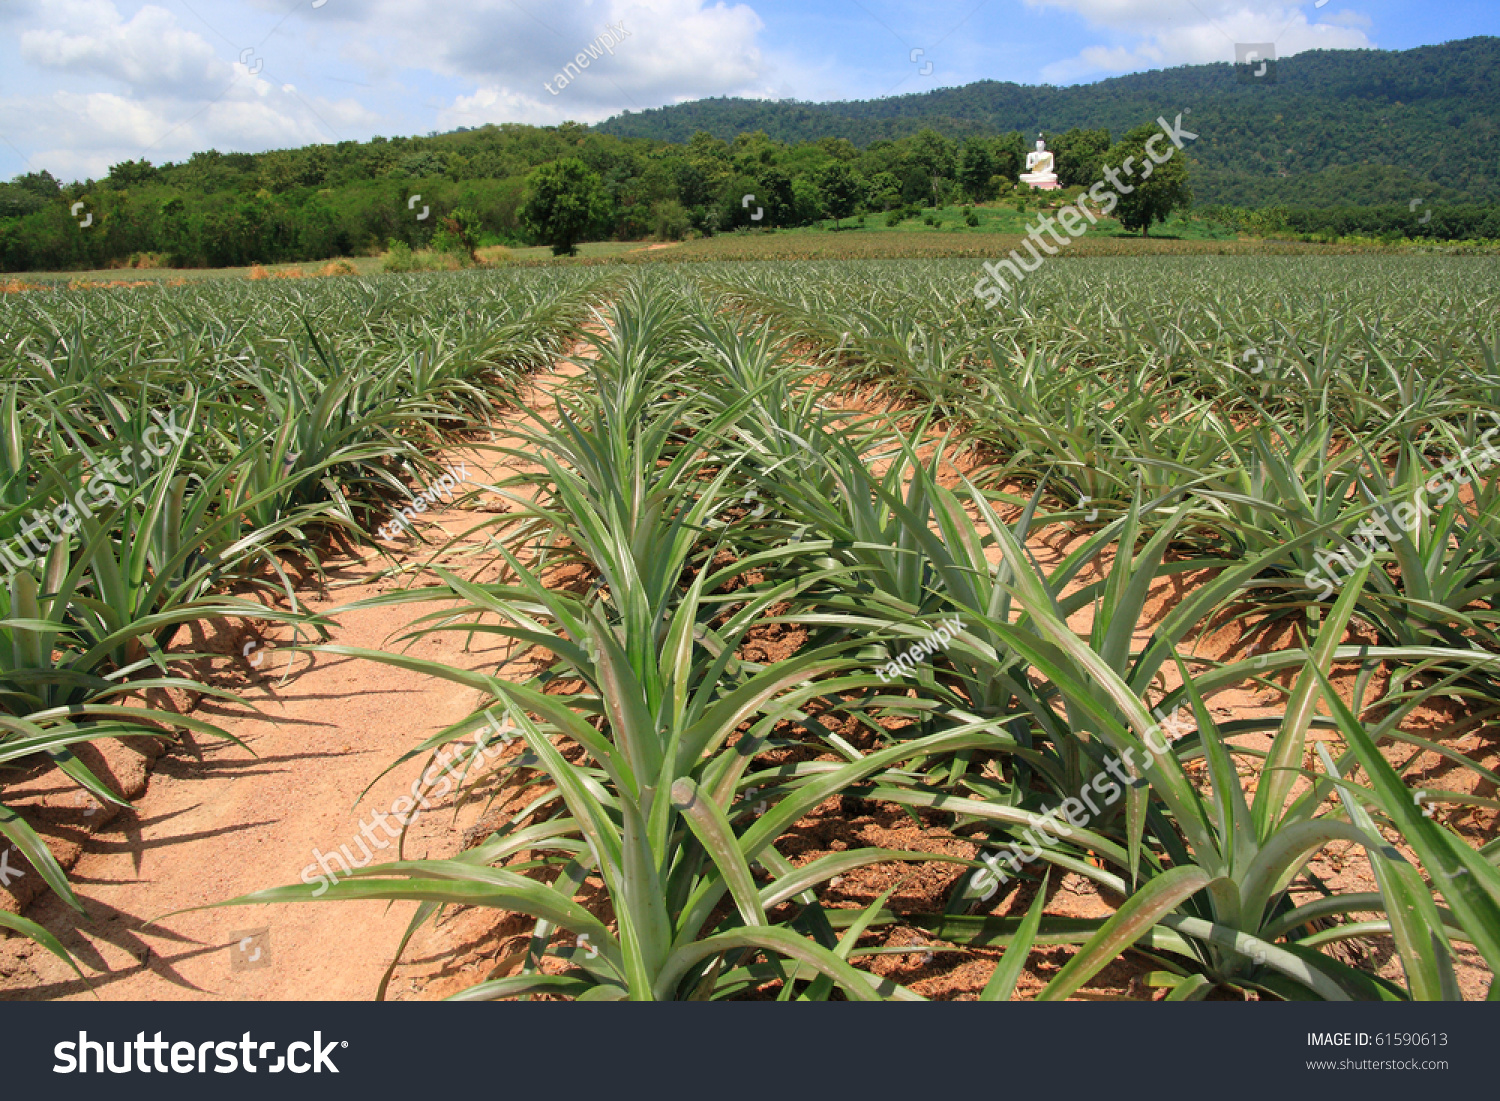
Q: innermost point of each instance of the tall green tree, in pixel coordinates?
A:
(975, 168)
(1009, 152)
(564, 201)
(916, 185)
(933, 153)
(937, 157)
(43, 184)
(1155, 189)
(807, 201)
(775, 194)
(131, 173)
(841, 188)
(884, 191)
(1080, 156)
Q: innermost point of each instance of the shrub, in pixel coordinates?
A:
(670, 220)
(397, 258)
(458, 233)
(400, 258)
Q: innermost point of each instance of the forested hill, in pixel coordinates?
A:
(1337, 126)
(1337, 131)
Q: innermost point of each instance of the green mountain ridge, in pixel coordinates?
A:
(1337, 126)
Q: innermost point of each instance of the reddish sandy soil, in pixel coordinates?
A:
(215, 822)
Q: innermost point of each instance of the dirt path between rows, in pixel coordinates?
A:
(216, 822)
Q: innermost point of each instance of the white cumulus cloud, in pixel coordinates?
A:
(1154, 34)
(148, 53)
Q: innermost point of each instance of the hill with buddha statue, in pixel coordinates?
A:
(1336, 127)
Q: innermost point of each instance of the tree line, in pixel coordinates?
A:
(1434, 221)
(505, 184)
(519, 185)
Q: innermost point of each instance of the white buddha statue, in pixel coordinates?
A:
(1039, 172)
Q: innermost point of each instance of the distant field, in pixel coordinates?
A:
(1003, 217)
(365, 265)
(897, 244)
(591, 251)
(1000, 229)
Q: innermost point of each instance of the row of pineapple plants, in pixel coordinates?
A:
(706, 476)
(159, 447)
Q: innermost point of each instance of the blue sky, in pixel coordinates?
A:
(87, 83)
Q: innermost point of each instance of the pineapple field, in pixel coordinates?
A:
(813, 630)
